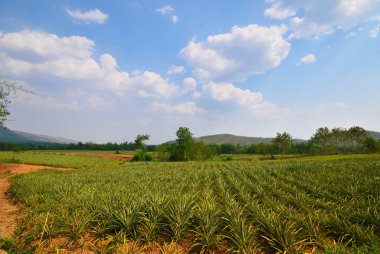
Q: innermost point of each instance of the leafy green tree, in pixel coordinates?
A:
(184, 143)
(141, 150)
(283, 142)
(5, 87)
(357, 136)
(371, 145)
(140, 141)
(322, 137)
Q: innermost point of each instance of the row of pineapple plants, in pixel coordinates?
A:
(218, 207)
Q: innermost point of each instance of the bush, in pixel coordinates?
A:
(142, 156)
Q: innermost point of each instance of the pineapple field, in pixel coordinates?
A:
(326, 204)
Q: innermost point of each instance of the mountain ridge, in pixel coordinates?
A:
(7, 135)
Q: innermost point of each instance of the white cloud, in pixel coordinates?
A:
(186, 108)
(175, 19)
(91, 16)
(95, 101)
(37, 100)
(252, 101)
(189, 85)
(277, 12)
(165, 10)
(374, 32)
(68, 62)
(234, 56)
(151, 84)
(302, 27)
(308, 59)
(322, 17)
(88, 99)
(36, 46)
(176, 70)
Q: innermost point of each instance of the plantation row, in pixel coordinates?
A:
(235, 206)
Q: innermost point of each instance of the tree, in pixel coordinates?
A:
(371, 145)
(139, 141)
(184, 143)
(322, 137)
(5, 87)
(283, 142)
(140, 146)
(357, 135)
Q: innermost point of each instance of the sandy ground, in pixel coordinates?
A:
(10, 212)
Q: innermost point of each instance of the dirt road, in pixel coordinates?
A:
(10, 212)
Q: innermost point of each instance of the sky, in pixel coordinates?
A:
(106, 71)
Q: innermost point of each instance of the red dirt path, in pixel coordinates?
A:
(10, 212)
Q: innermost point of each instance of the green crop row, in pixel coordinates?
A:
(238, 206)
(57, 159)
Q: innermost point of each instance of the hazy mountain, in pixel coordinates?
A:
(374, 134)
(7, 135)
(232, 139)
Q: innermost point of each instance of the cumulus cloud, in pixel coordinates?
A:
(322, 17)
(176, 70)
(91, 16)
(37, 100)
(68, 62)
(374, 32)
(35, 46)
(252, 101)
(276, 11)
(189, 85)
(233, 56)
(151, 84)
(308, 59)
(303, 27)
(186, 108)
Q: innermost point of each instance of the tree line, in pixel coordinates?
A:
(185, 147)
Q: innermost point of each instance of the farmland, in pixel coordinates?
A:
(326, 204)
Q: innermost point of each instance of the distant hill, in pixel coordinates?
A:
(7, 135)
(374, 134)
(232, 139)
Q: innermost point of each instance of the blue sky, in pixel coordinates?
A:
(109, 70)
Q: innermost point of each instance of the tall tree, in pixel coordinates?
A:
(283, 142)
(5, 87)
(357, 136)
(140, 141)
(184, 143)
(322, 137)
(338, 138)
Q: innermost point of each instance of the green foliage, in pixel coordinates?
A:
(184, 144)
(140, 142)
(339, 140)
(283, 142)
(4, 101)
(185, 148)
(141, 155)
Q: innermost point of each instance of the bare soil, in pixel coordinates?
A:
(10, 212)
